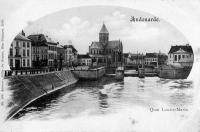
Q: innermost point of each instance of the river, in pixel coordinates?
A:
(142, 98)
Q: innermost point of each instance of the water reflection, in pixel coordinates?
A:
(108, 95)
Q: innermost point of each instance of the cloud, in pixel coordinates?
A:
(124, 29)
(82, 30)
(72, 29)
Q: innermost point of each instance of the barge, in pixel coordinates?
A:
(89, 74)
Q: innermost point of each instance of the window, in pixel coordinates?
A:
(183, 56)
(175, 57)
(11, 62)
(28, 53)
(24, 62)
(28, 44)
(17, 44)
(11, 52)
(24, 52)
(11, 45)
(28, 63)
(24, 44)
(17, 51)
(179, 57)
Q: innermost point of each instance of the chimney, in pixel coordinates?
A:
(23, 33)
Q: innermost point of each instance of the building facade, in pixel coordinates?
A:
(155, 59)
(20, 52)
(133, 59)
(181, 55)
(70, 55)
(60, 56)
(151, 59)
(44, 51)
(84, 60)
(105, 52)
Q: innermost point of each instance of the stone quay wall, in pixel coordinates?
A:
(28, 88)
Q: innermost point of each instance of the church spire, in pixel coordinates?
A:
(103, 29)
(104, 35)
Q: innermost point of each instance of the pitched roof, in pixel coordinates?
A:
(41, 38)
(96, 45)
(151, 55)
(70, 46)
(103, 29)
(136, 56)
(186, 48)
(37, 40)
(113, 44)
(126, 55)
(85, 56)
(21, 37)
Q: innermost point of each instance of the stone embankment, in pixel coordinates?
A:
(28, 88)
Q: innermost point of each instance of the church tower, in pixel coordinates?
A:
(104, 35)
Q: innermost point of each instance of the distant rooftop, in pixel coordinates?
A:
(70, 46)
(104, 29)
(186, 48)
(21, 37)
(41, 38)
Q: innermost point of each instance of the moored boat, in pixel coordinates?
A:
(119, 73)
(141, 72)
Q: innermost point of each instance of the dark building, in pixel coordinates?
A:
(105, 52)
(44, 51)
(60, 56)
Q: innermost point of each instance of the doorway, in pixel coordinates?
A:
(17, 64)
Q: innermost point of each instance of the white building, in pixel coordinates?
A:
(151, 59)
(181, 55)
(70, 55)
(85, 60)
(20, 52)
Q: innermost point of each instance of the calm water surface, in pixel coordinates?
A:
(108, 96)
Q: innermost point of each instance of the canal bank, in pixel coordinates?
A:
(28, 88)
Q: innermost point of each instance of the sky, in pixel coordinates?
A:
(81, 25)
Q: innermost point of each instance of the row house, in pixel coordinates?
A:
(20, 52)
(44, 51)
(155, 59)
(133, 59)
(181, 55)
(70, 55)
(60, 56)
(84, 59)
(151, 59)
